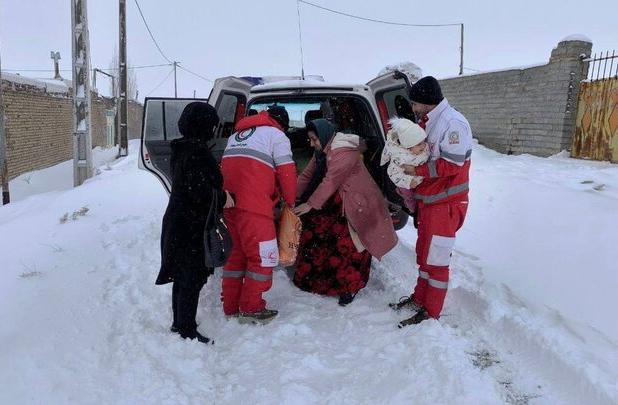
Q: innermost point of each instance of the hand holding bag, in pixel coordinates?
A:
(288, 236)
(217, 239)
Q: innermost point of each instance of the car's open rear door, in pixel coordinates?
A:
(229, 97)
(392, 93)
(392, 96)
(159, 128)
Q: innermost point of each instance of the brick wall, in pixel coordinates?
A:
(529, 110)
(39, 126)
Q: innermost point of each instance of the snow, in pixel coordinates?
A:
(529, 316)
(408, 68)
(50, 85)
(294, 84)
(576, 37)
(58, 177)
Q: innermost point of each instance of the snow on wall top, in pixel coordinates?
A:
(576, 37)
(49, 85)
(408, 68)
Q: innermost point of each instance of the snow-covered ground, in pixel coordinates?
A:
(529, 317)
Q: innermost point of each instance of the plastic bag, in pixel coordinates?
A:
(288, 236)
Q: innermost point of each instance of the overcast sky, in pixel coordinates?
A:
(260, 37)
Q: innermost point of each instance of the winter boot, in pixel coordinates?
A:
(194, 334)
(419, 317)
(346, 298)
(262, 317)
(405, 302)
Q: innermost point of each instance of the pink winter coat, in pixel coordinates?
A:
(363, 202)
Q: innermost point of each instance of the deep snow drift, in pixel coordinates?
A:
(530, 316)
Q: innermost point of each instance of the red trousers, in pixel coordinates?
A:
(437, 225)
(249, 270)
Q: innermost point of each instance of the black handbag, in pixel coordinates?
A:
(217, 239)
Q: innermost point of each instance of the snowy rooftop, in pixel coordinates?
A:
(49, 85)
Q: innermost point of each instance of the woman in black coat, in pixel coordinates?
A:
(195, 177)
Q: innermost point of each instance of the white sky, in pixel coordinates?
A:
(260, 37)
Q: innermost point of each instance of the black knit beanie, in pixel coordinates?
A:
(426, 91)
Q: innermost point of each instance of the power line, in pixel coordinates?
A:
(195, 74)
(143, 66)
(375, 20)
(150, 32)
(161, 83)
(68, 70)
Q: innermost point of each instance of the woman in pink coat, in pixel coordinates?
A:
(344, 214)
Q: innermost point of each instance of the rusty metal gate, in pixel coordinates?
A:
(596, 128)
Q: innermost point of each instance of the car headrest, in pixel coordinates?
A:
(312, 115)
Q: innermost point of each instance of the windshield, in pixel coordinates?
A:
(300, 112)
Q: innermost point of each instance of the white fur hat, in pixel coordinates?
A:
(407, 133)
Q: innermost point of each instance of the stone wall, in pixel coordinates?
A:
(527, 110)
(39, 126)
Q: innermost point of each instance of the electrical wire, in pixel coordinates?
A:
(375, 20)
(161, 83)
(150, 32)
(68, 70)
(195, 74)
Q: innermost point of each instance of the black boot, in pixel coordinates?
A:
(194, 334)
(419, 317)
(346, 298)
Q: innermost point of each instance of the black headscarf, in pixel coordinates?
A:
(325, 132)
(197, 124)
(198, 121)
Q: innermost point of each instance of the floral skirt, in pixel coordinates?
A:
(328, 262)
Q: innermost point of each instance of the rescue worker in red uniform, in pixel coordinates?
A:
(256, 165)
(442, 196)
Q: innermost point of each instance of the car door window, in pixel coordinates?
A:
(160, 128)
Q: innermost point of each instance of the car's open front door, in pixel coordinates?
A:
(392, 96)
(229, 97)
(159, 128)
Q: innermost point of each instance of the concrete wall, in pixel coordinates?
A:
(529, 110)
(39, 126)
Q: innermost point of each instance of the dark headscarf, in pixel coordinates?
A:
(325, 132)
(347, 117)
(198, 121)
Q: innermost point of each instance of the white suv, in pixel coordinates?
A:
(375, 102)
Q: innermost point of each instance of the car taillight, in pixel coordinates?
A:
(383, 115)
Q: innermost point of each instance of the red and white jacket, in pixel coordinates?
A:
(257, 159)
(446, 175)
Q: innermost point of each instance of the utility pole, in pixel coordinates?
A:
(56, 57)
(123, 105)
(461, 51)
(4, 170)
(175, 82)
(82, 140)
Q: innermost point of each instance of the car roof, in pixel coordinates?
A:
(306, 84)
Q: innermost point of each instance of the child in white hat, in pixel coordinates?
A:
(405, 145)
